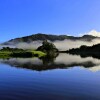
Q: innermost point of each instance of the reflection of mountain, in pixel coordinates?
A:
(63, 61)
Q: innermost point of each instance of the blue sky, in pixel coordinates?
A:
(25, 17)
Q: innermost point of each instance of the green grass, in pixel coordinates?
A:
(39, 53)
(7, 54)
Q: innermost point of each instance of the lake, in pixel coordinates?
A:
(66, 77)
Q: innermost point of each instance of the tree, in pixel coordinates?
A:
(48, 48)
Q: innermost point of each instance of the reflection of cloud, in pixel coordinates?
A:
(62, 61)
(69, 59)
(95, 68)
(21, 61)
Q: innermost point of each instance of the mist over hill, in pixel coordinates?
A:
(62, 42)
(41, 37)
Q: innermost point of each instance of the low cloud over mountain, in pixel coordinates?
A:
(62, 42)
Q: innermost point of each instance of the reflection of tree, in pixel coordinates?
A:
(48, 59)
(51, 51)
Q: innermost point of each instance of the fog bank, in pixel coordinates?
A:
(61, 45)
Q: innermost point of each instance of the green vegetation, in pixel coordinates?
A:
(49, 48)
(7, 52)
(39, 53)
(86, 51)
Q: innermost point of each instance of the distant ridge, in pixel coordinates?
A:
(41, 37)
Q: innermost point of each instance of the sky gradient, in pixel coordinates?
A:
(25, 17)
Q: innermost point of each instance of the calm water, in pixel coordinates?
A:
(66, 77)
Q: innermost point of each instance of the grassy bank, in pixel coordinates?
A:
(39, 53)
(5, 54)
(25, 53)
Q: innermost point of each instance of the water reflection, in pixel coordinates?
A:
(62, 61)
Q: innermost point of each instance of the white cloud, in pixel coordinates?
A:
(93, 33)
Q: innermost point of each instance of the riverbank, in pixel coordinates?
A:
(24, 53)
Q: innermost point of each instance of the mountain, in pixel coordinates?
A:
(41, 37)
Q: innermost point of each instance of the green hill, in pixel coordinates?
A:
(41, 37)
